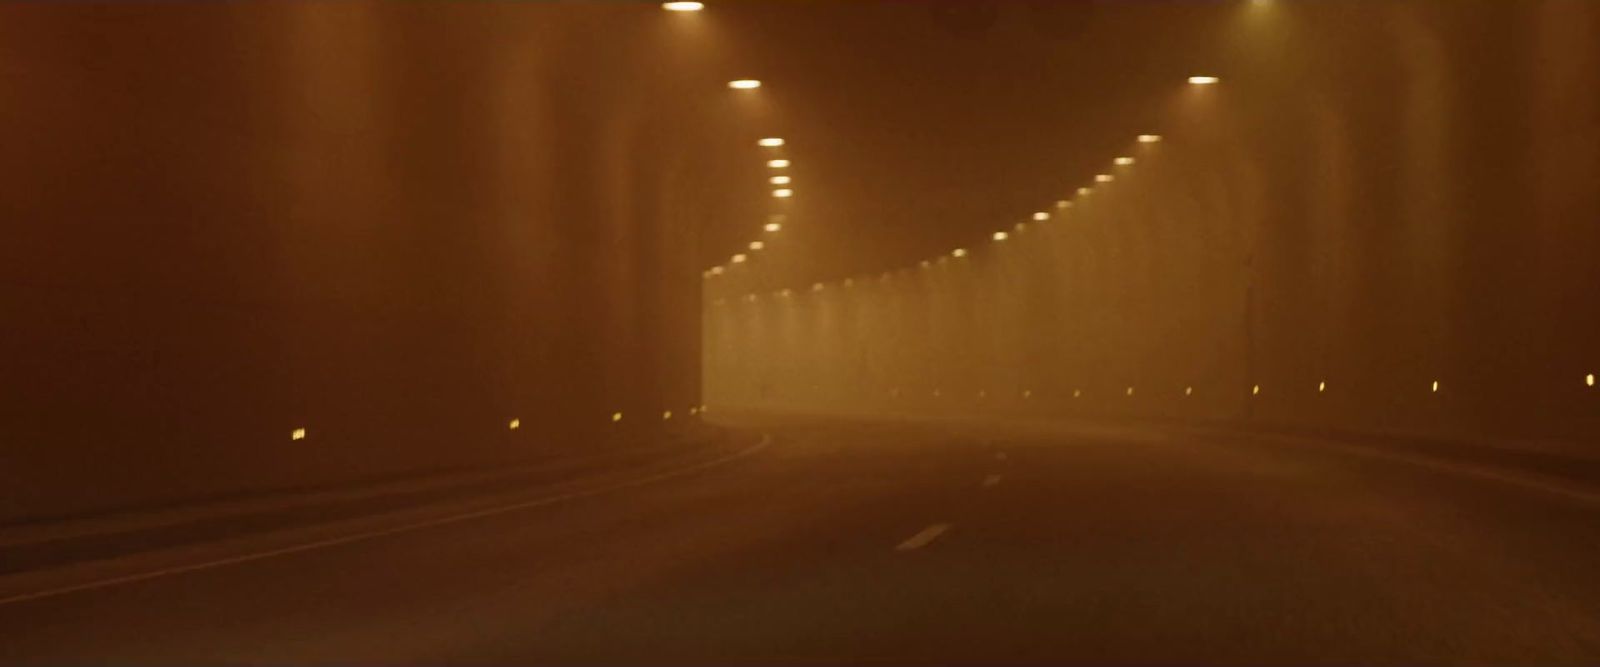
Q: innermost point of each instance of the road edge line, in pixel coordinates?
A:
(766, 439)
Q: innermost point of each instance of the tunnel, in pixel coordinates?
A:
(1365, 224)
(577, 332)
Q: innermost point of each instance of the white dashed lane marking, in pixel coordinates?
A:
(922, 539)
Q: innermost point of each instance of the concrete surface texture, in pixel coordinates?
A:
(398, 227)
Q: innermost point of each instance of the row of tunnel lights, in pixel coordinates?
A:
(783, 189)
(774, 225)
(516, 423)
(1000, 235)
(958, 253)
(1255, 390)
(1038, 216)
(783, 182)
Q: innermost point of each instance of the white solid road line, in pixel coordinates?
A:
(991, 480)
(766, 439)
(922, 539)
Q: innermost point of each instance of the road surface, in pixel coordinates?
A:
(845, 541)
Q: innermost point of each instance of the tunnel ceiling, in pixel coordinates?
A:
(917, 127)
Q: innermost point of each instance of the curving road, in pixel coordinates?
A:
(853, 541)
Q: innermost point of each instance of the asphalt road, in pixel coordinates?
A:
(845, 542)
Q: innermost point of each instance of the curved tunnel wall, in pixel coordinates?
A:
(397, 226)
(1378, 196)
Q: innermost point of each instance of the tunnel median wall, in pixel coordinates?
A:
(392, 229)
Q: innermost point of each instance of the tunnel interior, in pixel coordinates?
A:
(259, 246)
(1369, 222)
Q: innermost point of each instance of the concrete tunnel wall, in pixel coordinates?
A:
(398, 226)
(1377, 196)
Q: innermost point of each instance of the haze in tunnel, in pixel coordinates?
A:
(1340, 216)
(737, 332)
